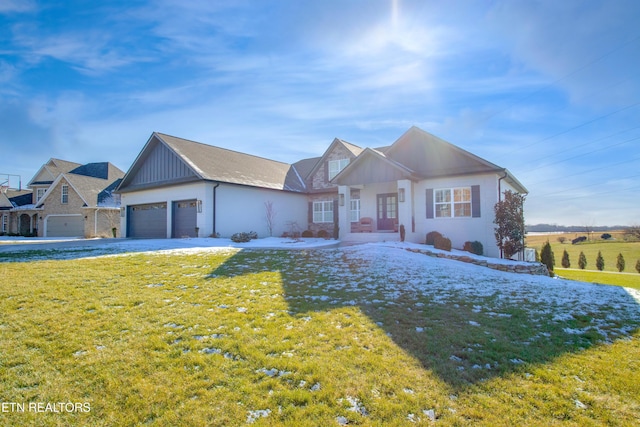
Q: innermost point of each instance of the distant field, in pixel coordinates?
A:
(609, 248)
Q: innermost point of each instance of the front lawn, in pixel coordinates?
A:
(367, 335)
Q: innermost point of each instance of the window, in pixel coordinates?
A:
(5, 219)
(323, 211)
(354, 210)
(443, 203)
(452, 202)
(40, 193)
(64, 199)
(335, 166)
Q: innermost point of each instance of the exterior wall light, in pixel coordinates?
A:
(401, 194)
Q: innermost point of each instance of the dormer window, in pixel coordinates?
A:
(64, 198)
(40, 193)
(335, 166)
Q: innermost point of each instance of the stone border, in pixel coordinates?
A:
(536, 268)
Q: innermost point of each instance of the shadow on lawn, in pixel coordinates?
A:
(460, 338)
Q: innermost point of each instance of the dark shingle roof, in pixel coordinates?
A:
(220, 164)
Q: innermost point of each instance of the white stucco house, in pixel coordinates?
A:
(179, 188)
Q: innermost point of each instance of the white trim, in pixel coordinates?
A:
(451, 202)
(324, 211)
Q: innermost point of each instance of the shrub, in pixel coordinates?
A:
(431, 237)
(324, 234)
(474, 247)
(582, 260)
(547, 258)
(638, 266)
(241, 237)
(605, 236)
(562, 239)
(307, 233)
(252, 235)
(442, 243)
(600, 261)
(620, 264)
(565, 259)
(578, 240)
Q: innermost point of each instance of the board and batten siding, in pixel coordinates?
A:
(161, 165)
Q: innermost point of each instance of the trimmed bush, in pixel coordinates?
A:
(620, 264)
(600, 261)
(547, 258)
(582, 260)
(431, 237)
(252, 235)
(307, 233)
(442, 243)
(241, 237)
(323, 234)
(605, 236)
(474, 247)
(566, 263)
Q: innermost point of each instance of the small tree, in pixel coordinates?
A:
(509, 219)
(562, 239)
(620, 263)
(638, 266)
(600, 261)
(582, 260)
(565, 259)
(547, 258)
(270, 216)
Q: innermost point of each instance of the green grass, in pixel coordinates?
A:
(207, 339)
(605, 278)
(610, 249)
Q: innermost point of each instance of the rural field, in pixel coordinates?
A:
(610, 249)
(362, 335)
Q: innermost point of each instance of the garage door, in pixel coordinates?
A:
(149, 220)
(65, 226)
(184, 218)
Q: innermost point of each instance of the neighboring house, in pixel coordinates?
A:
(11, 198)
(70, 200)
(179, 188)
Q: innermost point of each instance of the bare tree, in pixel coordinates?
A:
(633, 231)
(270, 216)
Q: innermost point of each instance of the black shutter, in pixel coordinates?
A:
(429, 202)
(335, 211)
(310, 214)
(475, 201)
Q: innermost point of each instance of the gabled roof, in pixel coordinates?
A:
(430, 156)
(372, 166)
(210, 163)
(88, 188)
(11, 198)
(353, 149)
(50, 170)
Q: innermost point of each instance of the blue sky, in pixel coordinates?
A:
(548, 89)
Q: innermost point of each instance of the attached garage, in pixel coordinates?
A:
(184, 218)
(64, 226)
(147, 221)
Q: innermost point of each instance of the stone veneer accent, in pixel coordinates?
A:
(536, 268)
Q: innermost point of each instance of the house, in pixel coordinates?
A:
(182, 188)
(68, 199)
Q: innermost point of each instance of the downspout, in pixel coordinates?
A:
(500, 199)
(214, 208)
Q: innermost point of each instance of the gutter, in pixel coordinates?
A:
(214, 208)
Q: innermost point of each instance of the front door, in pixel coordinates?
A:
(387, 211)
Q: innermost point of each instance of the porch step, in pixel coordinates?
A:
(370, 237)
